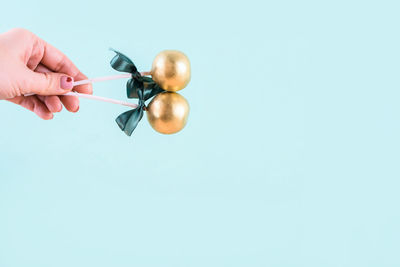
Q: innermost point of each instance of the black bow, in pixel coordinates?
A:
(138, 86)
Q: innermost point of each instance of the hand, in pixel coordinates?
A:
(29, 65)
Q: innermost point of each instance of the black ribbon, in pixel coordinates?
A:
(140, 87)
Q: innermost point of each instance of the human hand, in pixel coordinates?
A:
(29, 65)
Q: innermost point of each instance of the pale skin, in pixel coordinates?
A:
(29, 65)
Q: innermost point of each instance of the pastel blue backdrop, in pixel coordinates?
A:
(290, 157)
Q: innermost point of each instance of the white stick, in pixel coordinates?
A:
(104, 99)
(100, 79)
(107, 78)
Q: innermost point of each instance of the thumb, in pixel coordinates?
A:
(49, 83)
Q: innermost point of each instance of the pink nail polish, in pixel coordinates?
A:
(66, 83)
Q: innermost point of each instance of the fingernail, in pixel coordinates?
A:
(66, 83)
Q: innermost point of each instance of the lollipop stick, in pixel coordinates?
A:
(100, 98)
(104, 99)
(107, 78)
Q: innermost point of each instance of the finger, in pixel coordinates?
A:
(56, 61)
(84, 88)
(53, 103)
(42, 69)
(49, 83)
(71, 103)
(32, 103)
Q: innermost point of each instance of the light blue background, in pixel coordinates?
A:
(290, 157)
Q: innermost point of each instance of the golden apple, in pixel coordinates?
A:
(171, 70)
(167, 112)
